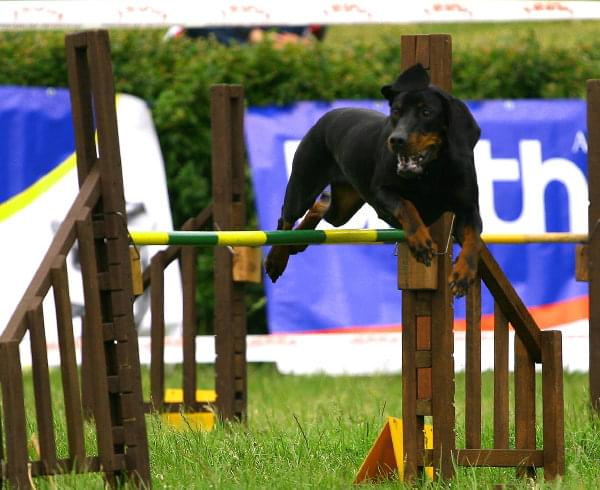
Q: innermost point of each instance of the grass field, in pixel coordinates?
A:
(313, 432)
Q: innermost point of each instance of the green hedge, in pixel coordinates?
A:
(174, 78)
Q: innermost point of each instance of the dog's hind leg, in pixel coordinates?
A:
(345, 202)
(311, 173)
(278, 256)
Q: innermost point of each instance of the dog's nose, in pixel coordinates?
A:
(396, 141)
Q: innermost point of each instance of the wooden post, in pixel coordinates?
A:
(501, 408)
(430, 313)
(593, 124)
(157, 331)
(473, 367)
(229, 213)
(190, 323)
(553, 398)
(109, 282)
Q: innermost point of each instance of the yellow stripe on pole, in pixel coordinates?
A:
(150, 237)
(517, 238)
(242, 238)
(350, 236)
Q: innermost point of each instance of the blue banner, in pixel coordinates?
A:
(532, 174)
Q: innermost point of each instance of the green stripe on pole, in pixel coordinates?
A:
(295, 237)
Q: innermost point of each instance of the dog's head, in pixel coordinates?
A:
(426, 119)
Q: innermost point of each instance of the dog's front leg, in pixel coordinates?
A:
(417, 234)
(468, 231)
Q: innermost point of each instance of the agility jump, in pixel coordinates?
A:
(95, 220)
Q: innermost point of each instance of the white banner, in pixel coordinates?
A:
(98, 13)
(29, 224)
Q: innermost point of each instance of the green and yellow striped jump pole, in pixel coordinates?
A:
(334, 236)
(259, 238)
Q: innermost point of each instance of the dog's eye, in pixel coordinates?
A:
(425, 112)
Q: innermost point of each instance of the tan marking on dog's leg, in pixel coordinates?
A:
(417, 234)
(279, 255)
(465, 267)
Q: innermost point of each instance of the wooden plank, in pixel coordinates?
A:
(473, 366)
(593, 158)
(440, 62)
(116, 259)
(594, 313)
(68, 360)
(424, 380)
(41, 386)
(423, 325)
(95, 350)
(422, 50)
(190, 324)
(423, 358)
(408, 50)
(409, 386)
(61, 244)
(511, 304)
(157, 331)
(424, 409)
(67, 465)
(413, 274)
(524, 402)
(500, 457)
(500, 379)
(81, 102)
(582, 263)
(553, 399)
(13, 404)
(227, 105)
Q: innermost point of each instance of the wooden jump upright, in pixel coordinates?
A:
(427, 351)
(226, 212)
(427, 338)
(97, 220)
(593, 246)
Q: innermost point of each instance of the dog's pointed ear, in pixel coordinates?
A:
(463, 131)
(413, 78)
(388, 92)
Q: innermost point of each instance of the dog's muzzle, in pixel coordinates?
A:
(412, 155)
(410, 163)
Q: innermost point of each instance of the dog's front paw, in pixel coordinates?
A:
(462, 277)
(421, 245)
(276, 261)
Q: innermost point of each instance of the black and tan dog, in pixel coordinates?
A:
(411, 167)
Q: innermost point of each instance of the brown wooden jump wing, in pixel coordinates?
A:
(97, 221)
(427, 353)
(428, 313)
